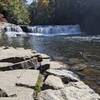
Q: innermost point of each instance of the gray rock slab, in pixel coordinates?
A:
(28, 78)
(71, 92)
(11, 52)
(57, 65)
(17, 98)
(18, 93)
(54, 82)
(5, 64)
(64, 73)
(23, 77)
(9, 98)
(8, 80)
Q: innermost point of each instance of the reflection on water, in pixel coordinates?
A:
(15, 42)
(61, 49)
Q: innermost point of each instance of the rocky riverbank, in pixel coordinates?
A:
(20, 79)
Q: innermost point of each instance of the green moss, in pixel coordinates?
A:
(38, 86)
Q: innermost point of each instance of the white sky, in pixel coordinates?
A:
(29, 1)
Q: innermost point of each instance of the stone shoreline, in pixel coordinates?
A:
(53, 81)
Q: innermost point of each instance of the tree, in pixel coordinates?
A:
(15, 11)
(43, 12)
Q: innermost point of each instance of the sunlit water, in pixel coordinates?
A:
(61, 49)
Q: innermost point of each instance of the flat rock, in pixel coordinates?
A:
(23, 77)
(45, 61)
(71, 92)
(5, 65)
(63, 73)
(54, 82)
(11, 52)
(28, 78)
(8, 80)
(57, 65)
(18, 93)
(9, 98)
(17, 98)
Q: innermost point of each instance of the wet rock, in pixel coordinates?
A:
(53, 82)
(98, 82)
(64, 74)
(78, 91)
(78, 67)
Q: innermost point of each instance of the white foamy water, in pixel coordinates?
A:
(14, 31)
(54, 30)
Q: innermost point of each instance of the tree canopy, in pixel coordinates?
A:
(15, 11)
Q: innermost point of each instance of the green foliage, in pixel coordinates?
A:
(15, 11)
(43, 12)
(37, 88)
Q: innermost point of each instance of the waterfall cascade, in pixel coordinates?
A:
(54, 30)
(13, 31)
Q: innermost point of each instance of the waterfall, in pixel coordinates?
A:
(54, 30)
(13, 31)
(13, 28)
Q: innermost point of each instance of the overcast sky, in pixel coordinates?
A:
(29, 1)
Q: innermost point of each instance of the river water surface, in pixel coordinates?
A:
(61, 49)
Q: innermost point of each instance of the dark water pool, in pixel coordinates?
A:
(61, 49)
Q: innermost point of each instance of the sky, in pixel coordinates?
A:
(29, 1)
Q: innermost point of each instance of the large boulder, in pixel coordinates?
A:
(78, 91)
(53, 82)
(66, 75)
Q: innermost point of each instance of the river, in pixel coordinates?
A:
(61, 49)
